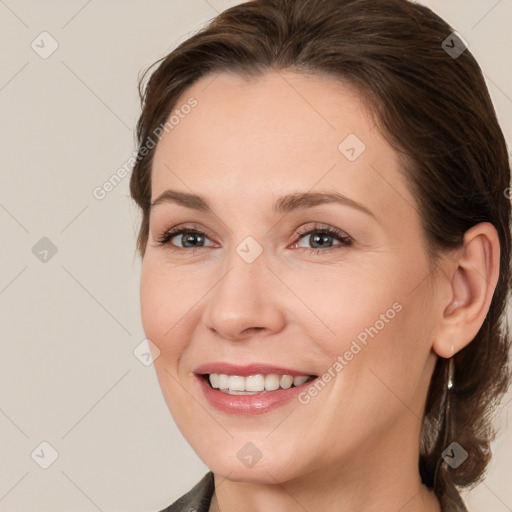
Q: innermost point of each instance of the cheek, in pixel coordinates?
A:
(152, 299)
(164, 306)
(347, 302)
(164, 316)
(386, 357)
(369, 317)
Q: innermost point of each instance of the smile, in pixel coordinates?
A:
(254, 384)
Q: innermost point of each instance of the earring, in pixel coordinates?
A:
(450, 372)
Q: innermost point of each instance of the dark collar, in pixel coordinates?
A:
(197, 499)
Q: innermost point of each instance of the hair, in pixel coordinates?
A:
(434, 109)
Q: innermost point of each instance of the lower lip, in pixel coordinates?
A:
(249, 404)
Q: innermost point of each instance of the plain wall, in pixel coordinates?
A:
(70, 324)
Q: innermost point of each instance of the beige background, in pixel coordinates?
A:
(69, 326)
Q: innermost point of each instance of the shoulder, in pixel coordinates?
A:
(197, 499)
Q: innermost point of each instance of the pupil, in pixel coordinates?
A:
(320, 239)
(190, 237)
(317, 240)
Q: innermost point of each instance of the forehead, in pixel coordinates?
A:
(277, 134)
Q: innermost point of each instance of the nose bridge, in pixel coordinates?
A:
(240, 300)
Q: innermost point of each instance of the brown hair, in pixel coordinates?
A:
(434, 109)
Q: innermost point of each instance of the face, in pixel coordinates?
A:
(302, 257)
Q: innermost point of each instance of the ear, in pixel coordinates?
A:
(472, 287)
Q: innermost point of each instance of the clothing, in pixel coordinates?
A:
(197, 499)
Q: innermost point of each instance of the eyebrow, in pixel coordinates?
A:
(284, 204)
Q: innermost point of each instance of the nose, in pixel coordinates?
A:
(242, 304)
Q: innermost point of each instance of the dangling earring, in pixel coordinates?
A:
(447, 414)
(448, 405)
(449, 384)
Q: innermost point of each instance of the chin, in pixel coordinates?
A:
(247, 459)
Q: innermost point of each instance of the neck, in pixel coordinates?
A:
(294, 498)
(382, 474)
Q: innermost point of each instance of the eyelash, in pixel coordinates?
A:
(345, 240)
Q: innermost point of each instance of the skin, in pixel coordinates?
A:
(354, 446)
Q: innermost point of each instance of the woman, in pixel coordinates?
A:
(326, 246)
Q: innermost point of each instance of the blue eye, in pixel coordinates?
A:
(188, 236)
(321, 237)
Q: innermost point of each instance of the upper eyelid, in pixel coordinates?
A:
(316, 227)
(298, 233)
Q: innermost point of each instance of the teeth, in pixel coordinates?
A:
(223, 382)
(286, 381)
(214, 380)
(237, 385)
(272, 382)
(298, 381)
(253, 383)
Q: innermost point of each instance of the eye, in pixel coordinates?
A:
(321, 238)
(191, 238)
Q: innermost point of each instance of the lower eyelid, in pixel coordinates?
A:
(165, 239)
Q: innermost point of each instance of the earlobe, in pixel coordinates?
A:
(472, 287)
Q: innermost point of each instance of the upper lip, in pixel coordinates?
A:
(246, 370)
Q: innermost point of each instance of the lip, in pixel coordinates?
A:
(258, 403)
(249, 369)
